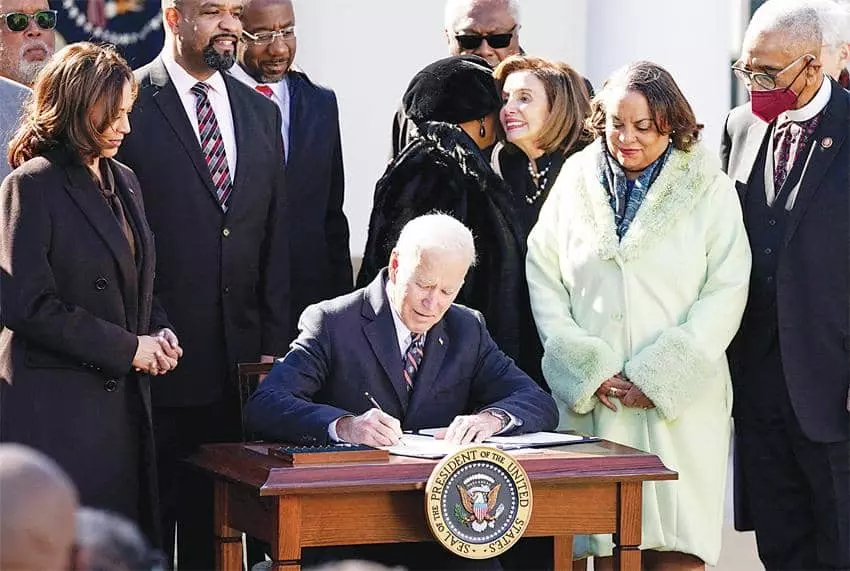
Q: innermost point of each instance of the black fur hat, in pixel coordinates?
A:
(452, 90)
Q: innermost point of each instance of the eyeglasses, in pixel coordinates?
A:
(495, 41)
(767, 80)
(266, 38)
(18, 21)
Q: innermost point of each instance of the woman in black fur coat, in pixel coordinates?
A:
(454, 103)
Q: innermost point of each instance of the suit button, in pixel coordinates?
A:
(772, 222)
(225, 232)
(100, 284)
(768, 251)
(617, 316)
(110, 385)
(226, 289)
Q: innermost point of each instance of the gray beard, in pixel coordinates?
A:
(28, 70)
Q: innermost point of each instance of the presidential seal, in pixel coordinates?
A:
(478, 502)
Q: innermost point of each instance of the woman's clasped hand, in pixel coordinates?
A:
(619, 387)
(157, 354)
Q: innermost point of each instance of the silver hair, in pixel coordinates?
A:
(454, 8)
(114, 542)
(799, 23)
(436, 232)
(835, 21)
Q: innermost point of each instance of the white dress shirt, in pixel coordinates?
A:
(219, 101)
(280, 95)
(804, 113)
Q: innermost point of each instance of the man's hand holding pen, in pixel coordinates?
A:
(372, 428)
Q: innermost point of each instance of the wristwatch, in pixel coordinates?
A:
(504, 417)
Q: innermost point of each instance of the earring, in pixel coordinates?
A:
(481, 131)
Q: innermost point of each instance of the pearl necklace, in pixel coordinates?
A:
(540, 179)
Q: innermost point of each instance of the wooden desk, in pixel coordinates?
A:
(578, 489)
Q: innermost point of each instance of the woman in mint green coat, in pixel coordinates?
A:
(638, 271)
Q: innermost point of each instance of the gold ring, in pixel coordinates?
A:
(612, 391)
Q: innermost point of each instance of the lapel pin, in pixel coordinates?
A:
(440, 340)
(826, 142)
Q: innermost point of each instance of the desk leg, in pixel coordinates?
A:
(228, 541)
(563, 556)
(627, 539)
(286, 547)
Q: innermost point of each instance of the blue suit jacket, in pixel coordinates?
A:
(348, 346)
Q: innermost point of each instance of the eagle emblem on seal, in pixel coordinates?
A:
(480, 506)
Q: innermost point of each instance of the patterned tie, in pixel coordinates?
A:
(265, 90)
(790, 143)
(212, 144)
(413, 358)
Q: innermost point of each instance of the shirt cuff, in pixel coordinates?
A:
(514, 421)
(332, 429)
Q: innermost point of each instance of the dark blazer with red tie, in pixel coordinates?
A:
(813, 272)
(222, 276)
(349, 346)
(74, 300)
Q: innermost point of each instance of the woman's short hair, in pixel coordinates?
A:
(76, 96)
(566, 93)
(671, 113)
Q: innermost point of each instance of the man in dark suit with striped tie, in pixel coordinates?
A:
(207, 151)
(318, 229)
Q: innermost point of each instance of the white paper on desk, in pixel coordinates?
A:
(520, 440)
(420, 446)
(536, 439)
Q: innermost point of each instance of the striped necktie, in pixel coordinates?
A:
(212, 144)
(413, 358)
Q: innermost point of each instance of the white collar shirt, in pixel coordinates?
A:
(280, 95)
(403, 335)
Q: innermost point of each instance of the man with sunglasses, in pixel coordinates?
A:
(486, 28)
(318, 229)
(26, 38)
(788, 152)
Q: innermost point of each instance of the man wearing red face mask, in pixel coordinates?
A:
(789, 154)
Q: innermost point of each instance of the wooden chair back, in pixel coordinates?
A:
(249, 380)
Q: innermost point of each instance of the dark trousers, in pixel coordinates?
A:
(797, 490)
(186, 495)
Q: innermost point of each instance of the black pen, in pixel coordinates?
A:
(376, 405)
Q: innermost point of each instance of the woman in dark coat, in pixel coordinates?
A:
(81, 330)
(454, 103)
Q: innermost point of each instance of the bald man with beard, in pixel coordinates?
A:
(37, 511)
